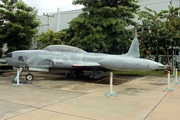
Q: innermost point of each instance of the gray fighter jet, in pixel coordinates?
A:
(77, 60)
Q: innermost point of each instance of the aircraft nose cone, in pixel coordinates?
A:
(9, 55)
(9, 58)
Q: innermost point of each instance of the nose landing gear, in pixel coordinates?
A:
(29, 77)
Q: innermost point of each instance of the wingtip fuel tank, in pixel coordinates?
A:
(126, 63)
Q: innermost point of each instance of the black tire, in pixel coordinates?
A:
(79, 73)
(29, 77)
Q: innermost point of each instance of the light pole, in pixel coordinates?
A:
(48, 16)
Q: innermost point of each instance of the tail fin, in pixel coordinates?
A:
(134, 49)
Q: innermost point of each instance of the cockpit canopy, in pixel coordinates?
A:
(63, 48)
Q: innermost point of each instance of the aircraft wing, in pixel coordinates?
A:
(47, 62)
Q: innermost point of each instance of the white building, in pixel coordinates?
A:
(58, 21)
(158, 5)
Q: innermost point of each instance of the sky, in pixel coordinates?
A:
(49, 6)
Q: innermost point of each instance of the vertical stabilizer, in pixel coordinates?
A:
(134, 49)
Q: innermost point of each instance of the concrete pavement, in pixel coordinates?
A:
(140, 99)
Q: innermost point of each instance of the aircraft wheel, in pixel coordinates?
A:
(79, 73)
(29, 77)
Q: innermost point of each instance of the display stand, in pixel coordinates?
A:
(176, 78)
(168, 82)
(111, 87)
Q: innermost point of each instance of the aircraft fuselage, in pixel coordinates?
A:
(68, 60)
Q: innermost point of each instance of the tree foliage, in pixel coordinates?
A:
(51, 38)
(101, 27)
(19, 23)
(152, 32)
(159, 30)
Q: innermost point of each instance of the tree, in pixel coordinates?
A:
(51, 38)
(172, 24)
(101, 27)
(152, 32)
(1, 30)
(159, 30)
(19, 24)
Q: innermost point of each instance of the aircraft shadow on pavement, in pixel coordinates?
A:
(105, 79)
(62, 76)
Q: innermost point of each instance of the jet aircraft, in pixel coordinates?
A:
(77, 60)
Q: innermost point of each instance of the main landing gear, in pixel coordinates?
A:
(79, 73)
(95, 74)
(76, 73)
